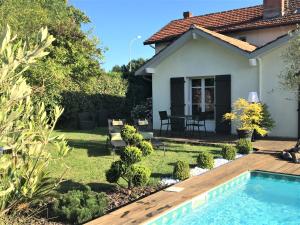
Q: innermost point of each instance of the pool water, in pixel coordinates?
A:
(255, 198)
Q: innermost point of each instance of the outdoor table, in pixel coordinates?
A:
(180, 121)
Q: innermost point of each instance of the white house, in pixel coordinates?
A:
(205, 63)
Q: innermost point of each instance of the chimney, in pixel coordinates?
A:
(273, 8)
(187, 14)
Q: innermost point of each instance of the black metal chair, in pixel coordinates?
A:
(196, 121)
(165, 120)
(145, 129)
(114, 134)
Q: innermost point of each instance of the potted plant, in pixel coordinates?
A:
(248, 117)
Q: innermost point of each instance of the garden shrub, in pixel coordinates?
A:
(131, 155)
(136, 139)
(146, 148)
(77, 207)
(244, 146)
(128, 133)
(228, 152)
(181, 170)
(140, 175)
(205, 160)
(115, 172)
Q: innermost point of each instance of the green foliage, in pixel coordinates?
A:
(70, 75)
(140, 175)
(128, 133)
(77, 207)
(205, 160)
(244, 146)
(25, 127)
(139, 87)
(267, 120)
(181, 170)
(137, 138)
(143, 111)
(115, 172)
(131, 155)
(228, 152)
(146, 148)
(290, 78)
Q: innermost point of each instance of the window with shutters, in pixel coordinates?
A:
(203, 96)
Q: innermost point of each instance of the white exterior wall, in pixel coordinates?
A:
(201, 58)
(282, 103)
(261, 37)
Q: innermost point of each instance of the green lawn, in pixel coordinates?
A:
(89, 159)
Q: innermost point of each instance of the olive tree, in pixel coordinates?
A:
(25, 128)
(290, 76)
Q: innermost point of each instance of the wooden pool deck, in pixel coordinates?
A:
(153, 205)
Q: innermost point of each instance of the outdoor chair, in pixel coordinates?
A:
(114, 134)
(197, 122)
(145, 129)
(165, 120)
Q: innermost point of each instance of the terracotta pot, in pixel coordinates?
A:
(244, 134)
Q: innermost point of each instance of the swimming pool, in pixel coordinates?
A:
(251, 198)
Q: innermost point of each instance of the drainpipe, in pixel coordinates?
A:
(259, 78)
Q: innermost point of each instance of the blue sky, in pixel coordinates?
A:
(116, 22)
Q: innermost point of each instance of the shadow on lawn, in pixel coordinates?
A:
(213, 151)
(94, 148)
(98, 130)
(69, 185)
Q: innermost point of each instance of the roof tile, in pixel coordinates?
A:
(228, 21)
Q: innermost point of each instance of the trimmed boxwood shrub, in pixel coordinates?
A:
(205, 160)
(146, 148)
(131, 155)
(115, 172)
(181, 170)
(127, 133)
(228, 152)
(244, 146)
(136, 139)
(140, 175)
(77, 207)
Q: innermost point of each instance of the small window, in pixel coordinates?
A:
(243, 38)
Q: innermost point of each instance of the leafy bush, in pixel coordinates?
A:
(205, 160)
(115, 172)
(181, 170)
(25, 127)
(131, 155)
(244, 146)
(78, 206)
(228, 152)
(267, 121)
(143, 111)
(140, 175)
(247, 115)
(128, 133)
(136, 139)
(146, 148)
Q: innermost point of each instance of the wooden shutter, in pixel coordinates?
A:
(177, 102)
(223, 103)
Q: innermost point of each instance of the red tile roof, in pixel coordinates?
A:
(229, 21)
(245, 46)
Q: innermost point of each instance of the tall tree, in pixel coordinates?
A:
(139, 87)
(74, 56)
